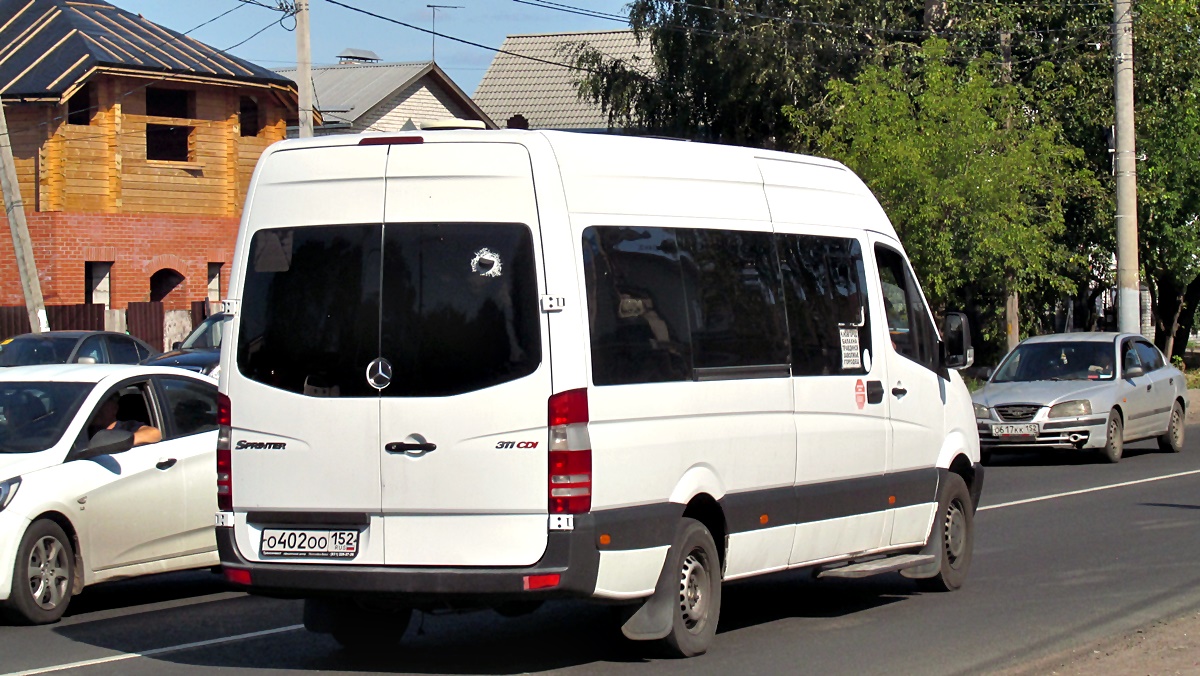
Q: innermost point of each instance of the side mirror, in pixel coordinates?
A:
(957, 352)
(86, 360)
(176, 345)
(108, 442)
(1134, 372)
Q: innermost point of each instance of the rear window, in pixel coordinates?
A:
(453, 308)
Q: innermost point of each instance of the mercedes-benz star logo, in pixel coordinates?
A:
(379, 373)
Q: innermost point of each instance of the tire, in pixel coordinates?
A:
(43, 575)
(1172, 439)
(955, 528)
(354, 627)
(1114, 443)
(695, 556)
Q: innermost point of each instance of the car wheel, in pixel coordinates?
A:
(698, 564)
(1172, 439)
(43, 575)
(354, 627)
(1114, 444)
(955, 527)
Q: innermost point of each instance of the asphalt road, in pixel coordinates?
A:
(1049, 573)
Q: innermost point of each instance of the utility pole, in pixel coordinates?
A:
(304, 69)
(1012, 304)
(1128, 284)
(14, 209)
(433, 28)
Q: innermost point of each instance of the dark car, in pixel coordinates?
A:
(200, 351)
(70, 347)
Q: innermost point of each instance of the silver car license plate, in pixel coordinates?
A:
(309, 543)
(1026, 430)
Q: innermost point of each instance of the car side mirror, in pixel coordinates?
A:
(86, 360)
(108, 442)
(957, 352)
(176, 345)
(1134, 372)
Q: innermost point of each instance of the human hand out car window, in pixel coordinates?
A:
(106, 419)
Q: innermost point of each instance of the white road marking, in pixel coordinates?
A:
(1088, 490)
(156, 651)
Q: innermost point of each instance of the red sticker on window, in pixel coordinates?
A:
(860, 394)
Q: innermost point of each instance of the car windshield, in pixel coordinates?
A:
(207, 335)
(1057, 361)
(31, 350)
(33, 416)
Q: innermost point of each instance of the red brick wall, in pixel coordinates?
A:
(138, 245)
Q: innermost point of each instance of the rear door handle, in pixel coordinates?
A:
(899, 391)
(166, 463)
(416, 449)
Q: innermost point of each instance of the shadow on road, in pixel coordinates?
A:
(146, 590)
(1167, 504)
(558, 635)
(1060, 458)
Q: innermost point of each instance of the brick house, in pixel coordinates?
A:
(134, 148)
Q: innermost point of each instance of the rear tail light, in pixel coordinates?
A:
(570, 483)
(237, 576)
(224, 458)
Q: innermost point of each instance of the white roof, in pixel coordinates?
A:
(88, 373)
(545, 90)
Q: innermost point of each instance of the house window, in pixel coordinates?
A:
(167, 142)
(214, 281)
(248, 117)
(81, 106)
(169, 102)
(97, 283)
(163, 282)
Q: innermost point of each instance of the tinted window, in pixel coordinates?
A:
(731, 283)
(310, 318)
(1150, 356)
(460, 307)
(1130, 356)
(33, 416)
(29, 350)
(1086, 360)
(191, 406)
(909, 326)
(207, 335)
(92, 348)
(827, 307)
(143, 351)
(122, 351)
(636, 306)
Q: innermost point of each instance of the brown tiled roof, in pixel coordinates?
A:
(544, 93)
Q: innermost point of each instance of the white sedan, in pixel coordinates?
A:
(79, 503)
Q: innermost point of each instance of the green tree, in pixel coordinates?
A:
(974, 179)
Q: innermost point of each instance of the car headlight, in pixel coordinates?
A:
(7, 490)
(982, 411)
(1071, 409)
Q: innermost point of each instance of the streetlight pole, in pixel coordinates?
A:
(304, 69)
(1129, 318)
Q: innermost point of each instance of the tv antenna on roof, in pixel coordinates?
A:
(435, 8)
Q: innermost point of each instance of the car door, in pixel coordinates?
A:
(1135, 393)
(916, 392)
(190, 409)
(134, 511)
(1162, 386)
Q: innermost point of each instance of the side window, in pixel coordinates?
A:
(126, 407)
(909, 326)
(731, 283)
(1130, 358)
(143, 352)
(192, 407)
(1150, 357)
(92, 348)
(827, 308)
(636, 306)
(122, 351)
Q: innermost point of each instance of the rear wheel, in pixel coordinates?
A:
(698, 566)
(1172, 439)
(43, 575)
(354, 626)
(1114, 445)
(955, 527)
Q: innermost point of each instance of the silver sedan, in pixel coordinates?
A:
(1082, 391)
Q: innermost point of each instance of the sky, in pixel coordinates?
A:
(335, 28)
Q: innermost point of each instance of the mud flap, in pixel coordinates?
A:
(656, 617)
(933, 545)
